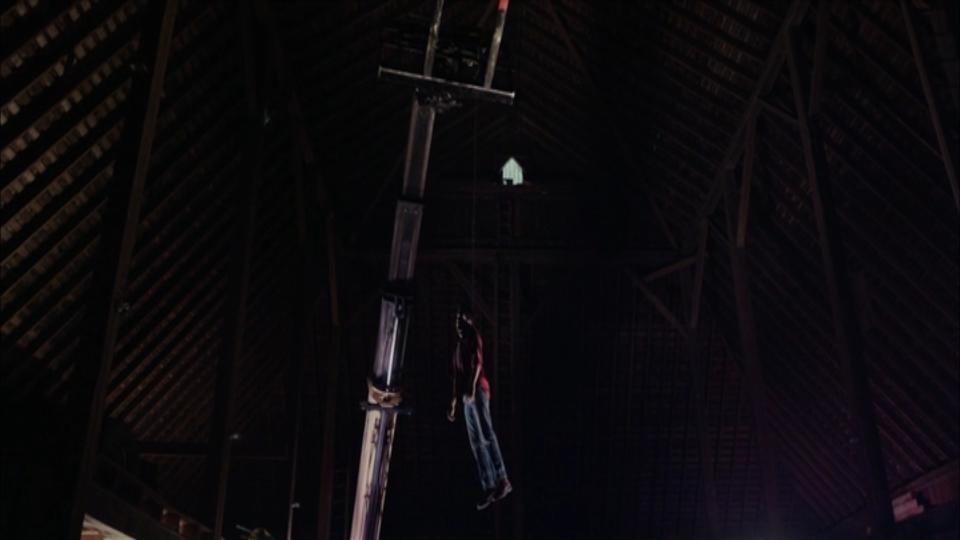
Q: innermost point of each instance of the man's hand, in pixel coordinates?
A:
(452, 413)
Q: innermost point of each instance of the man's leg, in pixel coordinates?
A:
(478, 443)
(498, 469)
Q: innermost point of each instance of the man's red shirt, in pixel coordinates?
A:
(467, 359)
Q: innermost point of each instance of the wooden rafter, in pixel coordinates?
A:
(846, 327)
(536, 256)
(120, 222)
(304, 324)
(670, 269)
(658, 304)
(303, 154)
(239, 288)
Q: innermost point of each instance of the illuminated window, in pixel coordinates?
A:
(512, 173)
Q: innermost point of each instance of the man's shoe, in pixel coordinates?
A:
(487, 500)
(503, 490)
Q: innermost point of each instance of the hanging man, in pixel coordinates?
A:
(471, 385)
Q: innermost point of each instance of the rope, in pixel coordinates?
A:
(473, 210)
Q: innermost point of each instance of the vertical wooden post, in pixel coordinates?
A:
(304, 156)
(498, 516)
(301, 351)
(334, 353)
(846, 328)
(749, 343)
(236, 314)
(698, 389)
(305, 309)
(119, 233)
(749, 153)
(516, 424)
(330, 399)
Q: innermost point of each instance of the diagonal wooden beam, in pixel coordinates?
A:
(658, 304)
(670, 269)
(846, 327)
(119, 225)
(780, 114)
(239, 288)
(821, 48)
(943, 19)
(771, 69)
(946, 154)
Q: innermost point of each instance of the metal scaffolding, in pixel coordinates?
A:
(384, 396)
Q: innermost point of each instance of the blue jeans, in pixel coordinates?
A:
(483, 440)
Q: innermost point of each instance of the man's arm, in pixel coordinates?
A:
(452, 413)
(453, 372)
(476, 377)
(478, 365)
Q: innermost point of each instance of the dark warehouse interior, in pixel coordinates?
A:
(697, 259)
